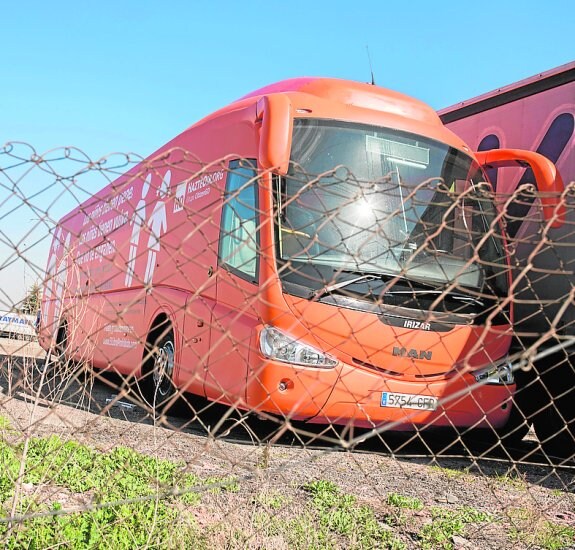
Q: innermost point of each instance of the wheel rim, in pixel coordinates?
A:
(163, 369)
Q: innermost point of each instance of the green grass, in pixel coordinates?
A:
(448, 523)
(132, 500)
(531, 529)
(329, 519)
(400, 501)
(9, 466)
(147, 524)
(273, 501)
(301, 531)
(513, 480)
(451, 473)
(340, 513)
(5, 424)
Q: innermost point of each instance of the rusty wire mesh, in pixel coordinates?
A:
(232, 359)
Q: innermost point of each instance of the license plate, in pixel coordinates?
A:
(409, 401)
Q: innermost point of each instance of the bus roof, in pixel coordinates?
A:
(356, 94)
(347, 93)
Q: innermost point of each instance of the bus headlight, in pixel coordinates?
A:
(495, 374)
(274, 344)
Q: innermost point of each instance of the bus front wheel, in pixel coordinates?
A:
(157, 384)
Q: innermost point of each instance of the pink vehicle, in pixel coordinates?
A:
(537, 114)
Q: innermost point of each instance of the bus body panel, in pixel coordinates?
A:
(348, 394)
(195, 356)
(110, 241)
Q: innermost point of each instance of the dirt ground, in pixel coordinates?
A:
(269, 460)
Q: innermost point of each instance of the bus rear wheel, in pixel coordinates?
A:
(59, 354)
(59, 369)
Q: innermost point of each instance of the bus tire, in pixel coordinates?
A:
(57, 357)
(158, 387)
(58, 368)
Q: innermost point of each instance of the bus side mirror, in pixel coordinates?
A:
(547, 177)
(275, 113)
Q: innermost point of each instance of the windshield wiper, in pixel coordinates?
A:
(449, 293)
(328, 289)
(427, 289)
(365, 276)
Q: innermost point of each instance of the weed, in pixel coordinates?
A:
(512, 480)
(189, 484)
(229, 484)
(119, 475)
(275, 501)
(450, 472)
(341, 514)
(5, 424)
(9, 466)
(531, 529)
(448, 523)
(553, 536)
(264, 460)
(124, 526)
(301, 531)
(400, 501)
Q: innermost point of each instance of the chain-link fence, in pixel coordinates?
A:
(230, 358)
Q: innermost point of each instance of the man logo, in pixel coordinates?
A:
(412, 353)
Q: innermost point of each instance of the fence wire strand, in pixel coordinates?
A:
(230, 358)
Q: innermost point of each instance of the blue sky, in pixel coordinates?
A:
(128, 76)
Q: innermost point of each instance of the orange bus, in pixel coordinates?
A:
(320, 249)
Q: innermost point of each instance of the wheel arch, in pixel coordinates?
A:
(162, 321)
(164, 312)
(161, 324)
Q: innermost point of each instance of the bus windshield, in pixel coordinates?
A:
(363, 199)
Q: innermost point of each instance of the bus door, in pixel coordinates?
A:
(235, 313)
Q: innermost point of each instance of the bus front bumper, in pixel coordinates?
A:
(348, 395)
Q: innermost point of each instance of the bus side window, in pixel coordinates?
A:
(238, 232)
